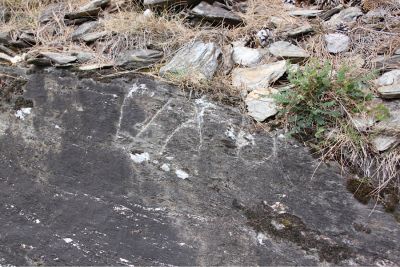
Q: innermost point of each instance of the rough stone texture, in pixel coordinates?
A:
(258, 77)
(59, 58)
(347, 15)
(139, 58)
(94, 36)
(390, 91)
(215, 13)
(89, 13)
(158, 3)
(389, 78)
(5, 14)
(198, 61)
(95, 4)
(287, 50)
(72, 192)
(84, 29)
(300, 31)
(260, 104)
(306, 13)
(246, 56)
(382, 142)
(337, 42)
(387, 62)
(52, 11)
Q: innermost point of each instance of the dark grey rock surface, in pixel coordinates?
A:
(131, 172)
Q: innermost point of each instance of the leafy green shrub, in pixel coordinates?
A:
(321, 98)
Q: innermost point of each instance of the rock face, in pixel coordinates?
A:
(131, 172)
(198, 61)
(258, 77)
(337, 42)
(284, 49)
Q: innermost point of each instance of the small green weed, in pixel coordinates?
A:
(321, 98)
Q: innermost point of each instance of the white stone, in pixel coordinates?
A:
(246, 56)
(383, 143)
(165, 167)
(260, 104)
(337, 42)
(258, 77)
(140, 157)
(390, 91)
(182, 174)
(389, 78)
(306, 13)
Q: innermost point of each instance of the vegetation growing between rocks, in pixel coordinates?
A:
(320, 109)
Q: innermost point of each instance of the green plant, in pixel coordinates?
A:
(321, 98)
(380, 112)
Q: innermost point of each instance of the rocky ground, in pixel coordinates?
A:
(106, 161)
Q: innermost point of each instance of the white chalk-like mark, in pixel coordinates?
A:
(182, 174)
(144, 128)
(140, 157)
(279, 207)
(37, 221)
(135, 88)
(231, 133)
(22, 113)
(174, 132)
(201, 106)
(123, 260)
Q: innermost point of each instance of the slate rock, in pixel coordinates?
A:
(90, 13)
(345, 16)
(258, 77)
(300, 31)
(337, 42)
(95, 66)
(260, 104)
(197, 60)
(94, 36)
(386, 62)
(83, 57)
(84, 29)
(246, 56)
(80, 199)
(305, 13)
(382, 142)
(95, 4)
(329, 13)
(7, 51)
(139, 58)
(166, 3)
(389, 78)
(58, 58)
(390, 91)
(51, 11)
(283, 49)
(215, 13)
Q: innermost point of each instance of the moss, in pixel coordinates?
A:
(262, 219)
(361, 189)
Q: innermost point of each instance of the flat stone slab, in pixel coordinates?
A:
(283, 49)
(215, 13)
(337, 42)
(258, 77)
(131, 172)
(306, 13)
(390, 91)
